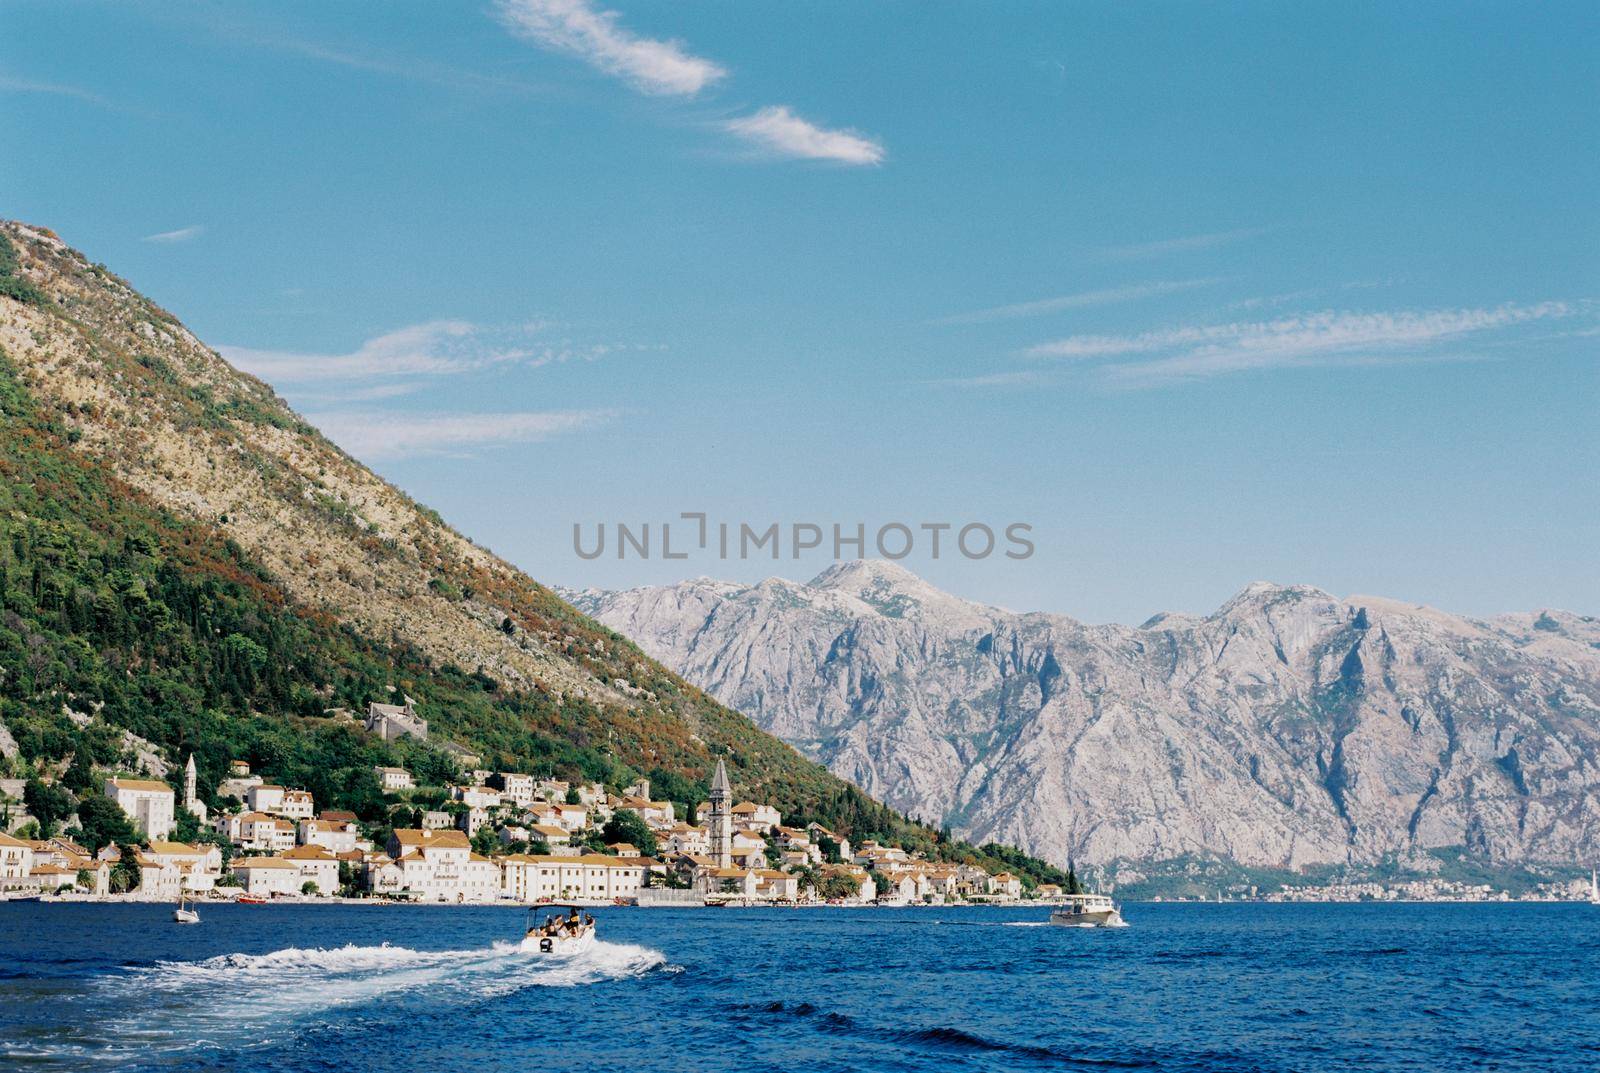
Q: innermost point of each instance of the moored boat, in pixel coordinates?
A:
(185, 913)
(1087, 911)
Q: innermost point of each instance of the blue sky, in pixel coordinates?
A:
(1203, 293)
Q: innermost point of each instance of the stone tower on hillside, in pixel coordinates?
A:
(720, 820)
(191, 800)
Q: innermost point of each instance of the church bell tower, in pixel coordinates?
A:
(719, 821)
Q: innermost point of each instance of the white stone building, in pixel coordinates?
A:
(268, 875)
(16, 859)
(439, 866)
(280, 801)
(257, 831)
(315, 865)
(167, 869)
(589, 877)
(518, 787)
(571, 817)
(761, 817)
(148, 803)
(391, 779)
(333, 837)
(479, 796)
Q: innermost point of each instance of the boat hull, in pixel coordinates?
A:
(1107, 918)
(185, 916)
(554, 946)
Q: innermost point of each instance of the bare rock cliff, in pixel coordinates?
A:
(1288, 728)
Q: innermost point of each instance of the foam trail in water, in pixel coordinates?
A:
(237, 997)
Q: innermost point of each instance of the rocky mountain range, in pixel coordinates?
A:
(1288, 728)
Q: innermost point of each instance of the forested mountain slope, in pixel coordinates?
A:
(183, 557)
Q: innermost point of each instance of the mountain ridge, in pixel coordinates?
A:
(1286, 728)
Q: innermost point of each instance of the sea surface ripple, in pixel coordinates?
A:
(1236, 987)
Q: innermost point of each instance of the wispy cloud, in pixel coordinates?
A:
(413, 68)
(668, 68)
(1013, 378)
(1319, 338)
(779, 131)
(182, 234)
(1081, 300)
(597, 37)
(375, 436)
(1182, 244)
(13, 84)
(17, 84)
(434, 348)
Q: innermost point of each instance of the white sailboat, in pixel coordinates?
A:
(1594, 889)
(185, 913)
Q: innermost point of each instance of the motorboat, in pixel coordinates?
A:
(186, 913)
(1087, 911)
(565, 931)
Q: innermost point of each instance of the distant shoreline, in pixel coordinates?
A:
(136, 899)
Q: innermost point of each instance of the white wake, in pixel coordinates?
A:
(255, 997)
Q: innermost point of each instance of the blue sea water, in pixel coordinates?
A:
(1234, 987)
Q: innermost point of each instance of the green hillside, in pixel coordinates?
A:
(148, 619)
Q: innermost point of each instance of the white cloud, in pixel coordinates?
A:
(1084, 299)
(779, 131)
(1181, 244)
(375, 436)
(434, 348)
(1318, 338)
(667, 68)
(578, 28)
(182, 234)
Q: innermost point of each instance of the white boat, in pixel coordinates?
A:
(1087, 911)
(1594, 889)
(185, 913)
(561, 934)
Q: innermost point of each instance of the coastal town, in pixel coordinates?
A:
(498, 836)
(508, 836)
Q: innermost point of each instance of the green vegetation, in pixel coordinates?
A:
(838, 886)
(49, 803)
(628, 826)
(11, 284)
(1030, 870)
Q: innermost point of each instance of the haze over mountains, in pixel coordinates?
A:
(1288, 728)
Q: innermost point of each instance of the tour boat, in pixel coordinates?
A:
(559, 935)
(185, 913)
(1087, 911)
(250, 899)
